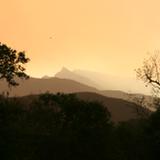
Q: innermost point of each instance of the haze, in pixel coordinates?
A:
(108, 36)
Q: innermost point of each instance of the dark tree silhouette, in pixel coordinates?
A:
(12, 65)
(63, 127)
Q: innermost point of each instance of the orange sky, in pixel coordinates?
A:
(110, 36)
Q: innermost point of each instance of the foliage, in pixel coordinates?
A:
(11, 64)
(54, 127)
(63, 127)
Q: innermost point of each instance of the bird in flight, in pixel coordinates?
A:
(52, 37)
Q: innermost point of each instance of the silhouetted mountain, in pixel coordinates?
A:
(105, 81)
(110, 82)
(120, 110)
(116, 94)
(145, 100)
(67, 74)
(41, 85)
(53, 85)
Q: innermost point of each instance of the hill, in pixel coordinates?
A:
(53, 85)
(120, 110)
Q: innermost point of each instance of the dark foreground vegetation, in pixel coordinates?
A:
(62, 127)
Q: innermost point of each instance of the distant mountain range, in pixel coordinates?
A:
(67, 81)
(117, 102)
(54, 85)
(105, 82)
(125, 88)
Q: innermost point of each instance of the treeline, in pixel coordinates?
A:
(62, 127)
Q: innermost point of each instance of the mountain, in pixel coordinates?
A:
(105, 81)
(67, 74)
(110, 82)
(125, 88)
(141, 99)
(116, 94)
(120, 110)
(41, 85)
(53, 85)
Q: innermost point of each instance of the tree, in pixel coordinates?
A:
(150, 72)
(12, 65)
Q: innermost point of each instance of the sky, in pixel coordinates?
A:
(108, 36)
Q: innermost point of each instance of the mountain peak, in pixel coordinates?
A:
(64, 69)
(67, 74)
(64, 73)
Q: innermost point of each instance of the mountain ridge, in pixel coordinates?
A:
(67, 74)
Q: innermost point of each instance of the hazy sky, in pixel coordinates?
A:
(110, 36)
